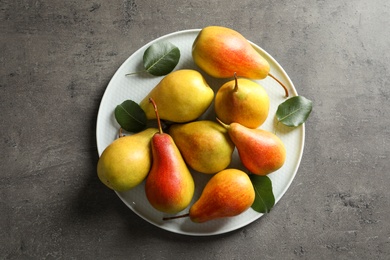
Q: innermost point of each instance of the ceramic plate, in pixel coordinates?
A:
(136, 87)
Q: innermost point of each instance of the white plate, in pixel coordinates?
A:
(136, 87)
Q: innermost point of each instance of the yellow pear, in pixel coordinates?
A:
(182, 96)
(126, 162)
(205, 145)
(242, 101)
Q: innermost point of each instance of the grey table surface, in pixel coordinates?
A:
(56, 60)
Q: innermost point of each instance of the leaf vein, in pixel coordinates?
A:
(157, 61)
(261, 200)
(135, 118)
(291, 113)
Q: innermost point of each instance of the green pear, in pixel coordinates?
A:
(260, 151)
(204, 145)
(169, 186)
(182, 96)
(221, 51)
(242, 101)
(125, 163)
(228, 193)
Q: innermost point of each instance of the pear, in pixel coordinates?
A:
(260, 151)
(182, 96)
(221, 51)
(169, 186)
(228, 193)
(242, 101)
(126, 162)
(204, 145)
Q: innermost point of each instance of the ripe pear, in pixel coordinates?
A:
(242, 101)
(169, 186)
(221, 51)
(228, 193)
(260, 151)
(204, 145)
(126, 162)
(182, 96)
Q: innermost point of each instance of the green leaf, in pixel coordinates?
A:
(130, 116)
(161, 58)
(294, 111)
(264, 197)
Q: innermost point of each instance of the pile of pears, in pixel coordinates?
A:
(166, 159)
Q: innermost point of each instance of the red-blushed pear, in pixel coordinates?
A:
(242, 101)
(260, 151)
(169, 186)
(228, 193)
(221, 51)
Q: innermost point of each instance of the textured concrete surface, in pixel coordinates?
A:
(56, 60)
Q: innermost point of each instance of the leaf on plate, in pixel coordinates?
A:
(264, 197)
(161, 58)
(294, 111)
(130, 116)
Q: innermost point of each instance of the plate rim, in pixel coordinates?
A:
(225, 230)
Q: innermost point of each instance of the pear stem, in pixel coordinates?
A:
(175, 217)
(134, 73)
(235, 82)
(222, 123)
(285, 88)
(157, 116)
(120, 133)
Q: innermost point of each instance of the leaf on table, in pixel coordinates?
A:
(161, 58)
(294, 111)
(264, 196)
(130, 116)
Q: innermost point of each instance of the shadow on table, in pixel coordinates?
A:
(95, 206)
